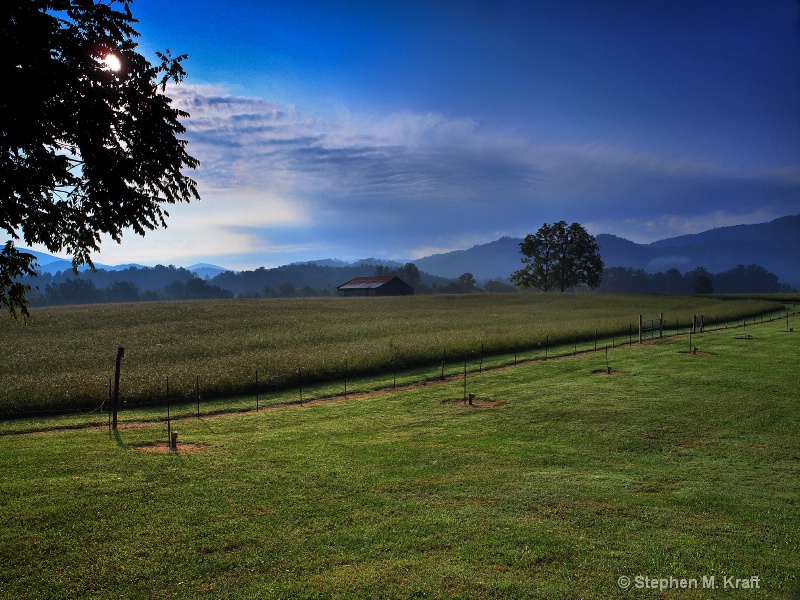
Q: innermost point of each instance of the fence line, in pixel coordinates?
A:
(250, 395)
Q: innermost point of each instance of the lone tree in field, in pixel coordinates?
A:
(559, 256)
(89, 141)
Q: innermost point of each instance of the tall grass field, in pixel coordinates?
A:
(66, 357)
(675, 474)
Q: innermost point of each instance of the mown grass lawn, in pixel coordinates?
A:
(560, 480)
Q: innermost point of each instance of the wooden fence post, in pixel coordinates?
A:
(465, 377)
(120, 354)
(169, 423)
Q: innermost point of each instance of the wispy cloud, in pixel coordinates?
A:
(277, 183)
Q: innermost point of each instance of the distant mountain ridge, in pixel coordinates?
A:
(47, 263)
(206, 271)
(774, 246)
(495, 260)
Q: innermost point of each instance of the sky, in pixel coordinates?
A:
(399, 129)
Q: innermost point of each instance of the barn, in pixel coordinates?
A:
(375, 286)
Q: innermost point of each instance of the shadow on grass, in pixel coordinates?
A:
(118, 438)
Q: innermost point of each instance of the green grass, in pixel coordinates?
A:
(65, 358)
(674, 465)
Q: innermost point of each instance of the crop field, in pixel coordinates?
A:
(65, 359)
(674, 475)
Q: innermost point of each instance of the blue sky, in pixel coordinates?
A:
(399, 129)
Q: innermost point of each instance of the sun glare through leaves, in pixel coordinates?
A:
(112, 62)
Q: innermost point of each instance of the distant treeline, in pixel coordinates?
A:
(740, 280)
(129, 285)
(138, 284)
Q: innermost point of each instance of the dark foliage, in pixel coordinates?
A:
(559, 256)
(85, 149)
(741, 280)
(172, 283)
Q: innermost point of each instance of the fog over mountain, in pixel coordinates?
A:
(774, 246)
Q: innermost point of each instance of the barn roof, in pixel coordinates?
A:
(364, 283)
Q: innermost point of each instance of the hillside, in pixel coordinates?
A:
(300, 275)
(774, 246)
(495, 260)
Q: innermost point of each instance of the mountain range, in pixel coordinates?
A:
(774, 246)
(47, 263)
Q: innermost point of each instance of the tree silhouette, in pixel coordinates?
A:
(702, 281)
(89, 141)
(559, 256)
(410, 274)
(467, 283)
